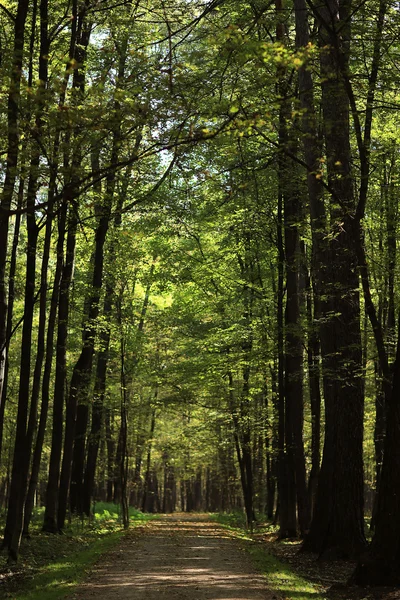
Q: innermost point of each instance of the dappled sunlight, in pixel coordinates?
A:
(189, 559)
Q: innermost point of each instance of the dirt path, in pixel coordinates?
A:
(176, 558)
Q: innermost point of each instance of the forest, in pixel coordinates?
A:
(199, 279)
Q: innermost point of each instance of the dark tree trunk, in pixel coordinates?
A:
(169, 501)
(389, 209)
(122, 449)
(380, 565)
(245, 402)
(286, 482)
(11, 162)
(24, 430)
(50, 523)
(123, 465)
(46, 375)
(287, 520)
(102, 360)
(117, 476)
(152, 502)
(241, 440)
(379, 436)
(271, 447)
(296, 471)
(337, 528)
(81, 372)
(38, 370)
(83, 369)
(110, 456)
(10, 307)
(312, 153)
(147, 482)
(27, 417)
(70, 192)
(41, 336)
(198, 492)
(315, 399)
(97, 414)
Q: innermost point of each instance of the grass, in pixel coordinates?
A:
(288, 584)
(51, 566)
(282, 578)
(58, 579)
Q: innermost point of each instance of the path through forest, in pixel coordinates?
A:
(177, 557)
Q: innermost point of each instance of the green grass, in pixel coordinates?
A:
(51, 566)
(58, 579)
(232, 520)
(280, 576)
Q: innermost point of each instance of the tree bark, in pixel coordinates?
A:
(147, 478)
(10, 306)
(380, 565)
(11, 168)
(69, 207)
(46, 379)
(82, 371)
(313, 351)
(24, 430)
(83, 365)
(50, 523)
(337, 528)
(98, 405)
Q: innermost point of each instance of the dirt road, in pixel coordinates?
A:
(177, 557)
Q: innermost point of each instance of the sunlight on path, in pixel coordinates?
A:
(175, 558)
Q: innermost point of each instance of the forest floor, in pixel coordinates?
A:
(189, 557)
(329, 577)
(179, 557)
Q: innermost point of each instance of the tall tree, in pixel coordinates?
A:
(337, 527)
(11, 168)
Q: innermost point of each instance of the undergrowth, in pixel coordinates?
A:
(50, 566)
(288, 584)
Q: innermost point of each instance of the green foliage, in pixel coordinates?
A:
(282, 578)
(194, 220)
(51, 565)
(279, 575)
(59, 578)
(233, 520)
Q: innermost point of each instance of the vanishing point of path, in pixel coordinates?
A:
(176, 557)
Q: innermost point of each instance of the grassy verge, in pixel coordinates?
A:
(280, 576)
(51, 566)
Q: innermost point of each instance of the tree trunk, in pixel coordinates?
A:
(123, 466)
(97, 412)
(270, 445)
(46, 376)
(24, 430)
(82, 368)
(315, 397)
(337, 528)
(380, 565)
(10, 307)
(70, 192)
(110, 456)
(50, 523)
(147, 483)
(296, 469)
(13, 110)
(26, 424)
(32, 425)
